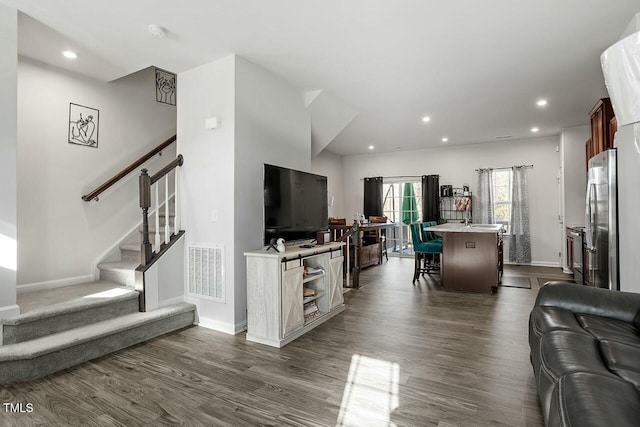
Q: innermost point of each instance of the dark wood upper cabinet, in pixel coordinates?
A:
(602, 128)
(613, 128)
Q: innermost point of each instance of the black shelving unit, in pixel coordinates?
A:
(452, 208)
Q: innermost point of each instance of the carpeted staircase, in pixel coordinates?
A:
(53, 337)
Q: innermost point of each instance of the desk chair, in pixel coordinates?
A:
(423, 248)
(381, 235)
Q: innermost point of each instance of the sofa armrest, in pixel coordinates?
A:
(588, 300)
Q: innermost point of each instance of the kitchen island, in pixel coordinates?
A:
(471, 256)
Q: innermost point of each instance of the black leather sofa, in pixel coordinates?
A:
(585, 352)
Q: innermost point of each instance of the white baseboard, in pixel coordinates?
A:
(9, 311)
(6, 312)
(536, 264)
(566, 270)
(171, 301)
(225, 327)
(55, 283)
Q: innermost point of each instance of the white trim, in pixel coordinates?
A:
(171, 301)
(8, 311)
(217, 325)
(566, 270)
(58, 283)
(536, 264)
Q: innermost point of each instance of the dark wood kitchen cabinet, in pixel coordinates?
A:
(601, 131)
(613, 128)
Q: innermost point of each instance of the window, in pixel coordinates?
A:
(502, 197)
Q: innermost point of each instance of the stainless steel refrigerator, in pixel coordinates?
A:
(601, 222)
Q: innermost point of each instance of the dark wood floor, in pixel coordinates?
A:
(401, 354)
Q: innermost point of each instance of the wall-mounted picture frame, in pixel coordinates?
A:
(84, 123)
(166, 87)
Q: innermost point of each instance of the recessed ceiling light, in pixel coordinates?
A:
(534, 130)
(541, 102)
(426, 119)
(371, 147)
(69, 54)
(445, 139)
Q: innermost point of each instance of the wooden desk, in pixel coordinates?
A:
(363, 255)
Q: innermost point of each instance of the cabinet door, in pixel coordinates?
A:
(588, 153)
(570, 251)
(613, 128)
(597, 131)
(292, 311)
(335, 282)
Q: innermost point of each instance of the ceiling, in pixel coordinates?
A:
(475, 67)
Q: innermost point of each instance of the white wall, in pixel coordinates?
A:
(456, 166)
(572, 150)
(164, 280)
(8, 144)
(330, 165)
(272, 126)
(263, 120)
(60, 236)
(208, 173)
(574, 180)
(627, 141)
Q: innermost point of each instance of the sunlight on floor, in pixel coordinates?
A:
(110, 293)
(371, 393)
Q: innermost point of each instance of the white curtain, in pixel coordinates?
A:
(485, 198)
(520, 242)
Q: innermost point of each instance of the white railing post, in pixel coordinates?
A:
(176, 218)
(167, 219)
(157, 232)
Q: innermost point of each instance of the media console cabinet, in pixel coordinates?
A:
(276, 283)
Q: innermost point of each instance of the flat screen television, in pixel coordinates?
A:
(295, 204)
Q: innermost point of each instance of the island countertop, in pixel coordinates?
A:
(471, 256)
(461, 228)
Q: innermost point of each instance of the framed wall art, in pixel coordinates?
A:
(165, 87)
(83, 125)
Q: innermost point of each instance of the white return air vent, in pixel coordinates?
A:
(206, 278)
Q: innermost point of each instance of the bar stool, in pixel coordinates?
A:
(423, 248)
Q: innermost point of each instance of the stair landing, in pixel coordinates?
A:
(41, 298)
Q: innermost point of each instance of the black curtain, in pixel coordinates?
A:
(372, 197)
(430, 198)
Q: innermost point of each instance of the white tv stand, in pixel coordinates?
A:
(275, 282)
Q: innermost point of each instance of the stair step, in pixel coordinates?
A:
(123, 272)
(43, 356)
(131, 247)
(130, 252)
(71, 314)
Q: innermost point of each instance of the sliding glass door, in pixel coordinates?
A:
(402, 205)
